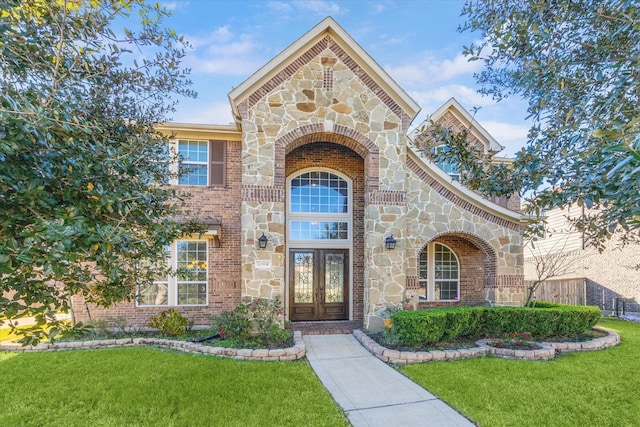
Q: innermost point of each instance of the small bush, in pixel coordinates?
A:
(254, 324)
(234, 324)
(415, 328)
(442, 324)
(169, 322)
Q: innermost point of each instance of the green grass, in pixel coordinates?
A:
(599, 388)
(149, 387)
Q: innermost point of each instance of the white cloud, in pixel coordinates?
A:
(431, 99)
(513, 137)
(448, 69)
(174, 5)
(223, 52)
(280, 6)
(431, 68)
(218, 36)
(319, 7)
(199, 112)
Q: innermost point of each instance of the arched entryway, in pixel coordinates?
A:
(324, 232)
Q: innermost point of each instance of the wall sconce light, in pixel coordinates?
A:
(390, 243)
(262, 241)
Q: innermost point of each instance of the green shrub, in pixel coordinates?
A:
(436, 325)
(233, 324)
(170, 322)
(415, 328)
(254, 324)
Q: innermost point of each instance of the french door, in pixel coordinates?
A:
(319, 284)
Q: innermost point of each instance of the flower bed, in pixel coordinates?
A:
(298, 351)
(546, 351)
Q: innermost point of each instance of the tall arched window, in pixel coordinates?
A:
(319, 207)
(439, 272)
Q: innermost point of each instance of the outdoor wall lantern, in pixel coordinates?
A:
(390, 243)
(262, 241)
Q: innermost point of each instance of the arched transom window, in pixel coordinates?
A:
(319, 207)
(439, 273)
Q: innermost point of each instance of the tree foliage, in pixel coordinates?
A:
(577, 63)
(81, 211)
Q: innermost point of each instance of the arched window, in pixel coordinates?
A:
(439, 273)
(319, 207)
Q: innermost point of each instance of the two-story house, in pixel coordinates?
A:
(316, 194)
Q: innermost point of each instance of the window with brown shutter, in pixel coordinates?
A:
(217, 163)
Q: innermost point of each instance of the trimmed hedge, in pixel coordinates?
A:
(414, 328)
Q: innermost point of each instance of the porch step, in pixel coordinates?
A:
(330, 327)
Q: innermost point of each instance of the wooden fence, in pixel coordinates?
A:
(562, 291)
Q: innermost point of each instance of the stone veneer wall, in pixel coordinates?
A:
(434, 212)
(224, 286)
(326, 96)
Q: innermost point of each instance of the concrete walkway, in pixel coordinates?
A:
(371, 392)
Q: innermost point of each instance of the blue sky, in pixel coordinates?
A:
(416, 42)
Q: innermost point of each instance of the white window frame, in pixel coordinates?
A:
(429, 283)
(321, 217)
(172, 281)
(185, 164)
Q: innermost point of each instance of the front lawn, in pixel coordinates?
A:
(151, 387)
(579, 389)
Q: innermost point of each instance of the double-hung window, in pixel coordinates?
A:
(187, 283)
(439, 273)
(202, 163)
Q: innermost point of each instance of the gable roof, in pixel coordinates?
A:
(467, 120)
(281, 64)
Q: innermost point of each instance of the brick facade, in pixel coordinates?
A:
(224, 291)
(349, 163)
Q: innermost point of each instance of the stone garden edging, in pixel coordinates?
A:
(298, 351)
(544, 352)
(547, 351)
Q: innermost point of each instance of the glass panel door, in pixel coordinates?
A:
(319, 284)
(303, 268)
(334, 277)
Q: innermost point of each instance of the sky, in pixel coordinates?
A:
(415, 41)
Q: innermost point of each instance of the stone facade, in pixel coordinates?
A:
(324, 104)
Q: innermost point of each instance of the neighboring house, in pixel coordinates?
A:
(609, 279)
(317, 195)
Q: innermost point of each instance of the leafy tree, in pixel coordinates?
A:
(577, 63)
(81, 211)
